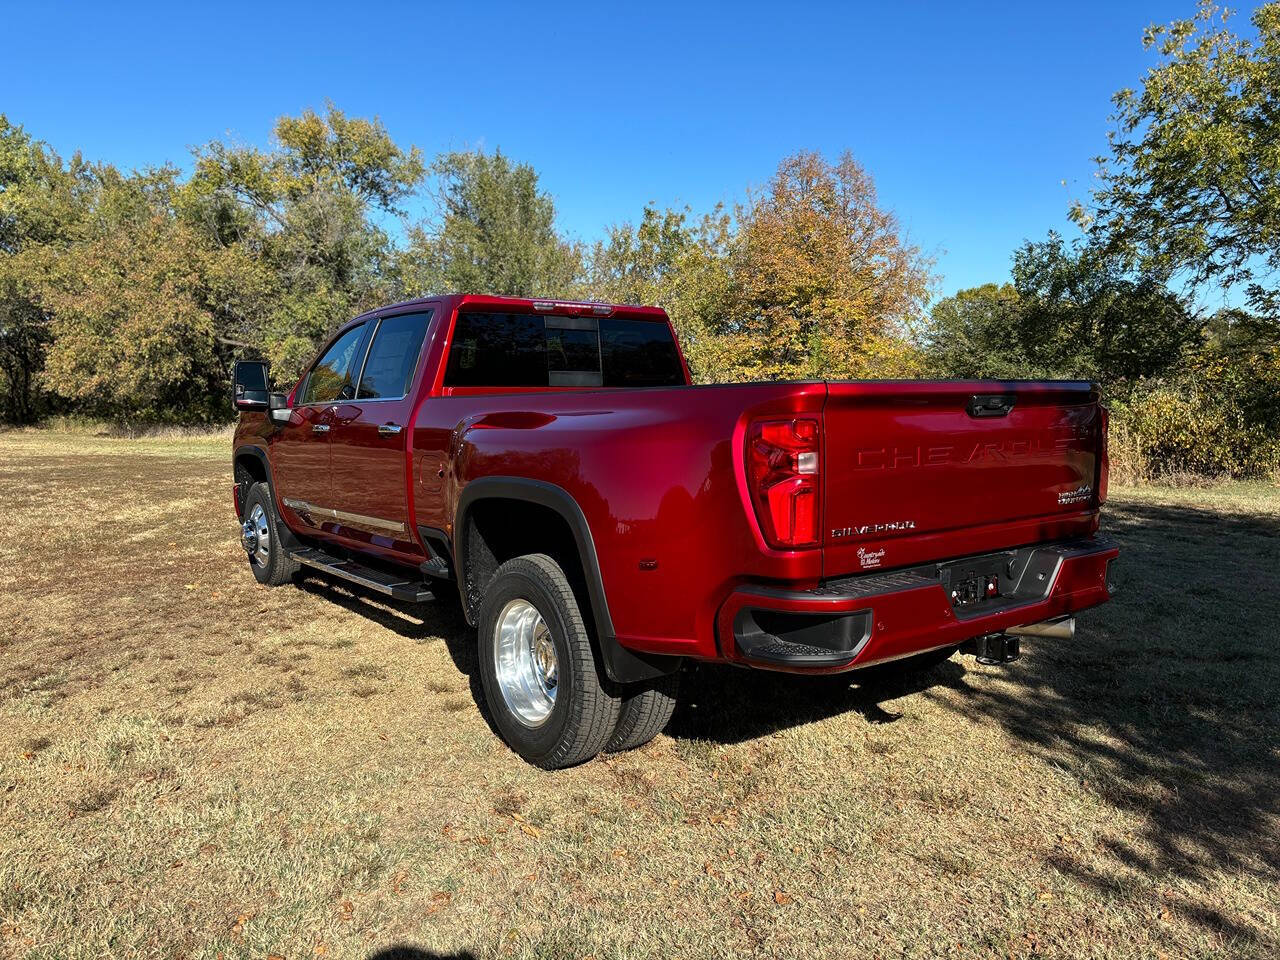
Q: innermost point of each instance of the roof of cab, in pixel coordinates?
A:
(523, 304)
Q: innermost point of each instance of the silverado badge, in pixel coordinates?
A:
(1079, 495)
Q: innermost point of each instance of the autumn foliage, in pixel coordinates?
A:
(129, 296)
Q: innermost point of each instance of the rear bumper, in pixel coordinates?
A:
(857, 621)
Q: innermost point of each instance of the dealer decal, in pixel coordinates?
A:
(870, 558)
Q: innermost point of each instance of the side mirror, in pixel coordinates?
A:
(250, 385)
(278, 408)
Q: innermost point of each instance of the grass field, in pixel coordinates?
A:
(193, 765)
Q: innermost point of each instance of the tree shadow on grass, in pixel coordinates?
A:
(1167, 704)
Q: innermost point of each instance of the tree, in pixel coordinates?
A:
(976, 333)
(681, 267)
(131, 336)
(1069, 313)
(297, 246)
(496, 234)
(40, 209)
(1191, 185)
(824, 282)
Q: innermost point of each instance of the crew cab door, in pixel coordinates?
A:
(300, 451)
(370, 435)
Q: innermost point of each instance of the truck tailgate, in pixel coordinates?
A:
(924, 470)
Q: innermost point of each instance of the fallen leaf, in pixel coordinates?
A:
(321, 949)
(782, 899)
(530, 829)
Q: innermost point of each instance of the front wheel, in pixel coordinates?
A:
(537, 667)
(260, 535)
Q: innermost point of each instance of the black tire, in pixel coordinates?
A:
(272, 566)
(646, 710)
(585, 710)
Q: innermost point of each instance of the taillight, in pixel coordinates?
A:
(1104, 458)
(783, 476)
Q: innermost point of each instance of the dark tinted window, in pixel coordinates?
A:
(638, 353)
(573, 352)
(527, 350)
(330, 378)
(498, 350)
(393, 356)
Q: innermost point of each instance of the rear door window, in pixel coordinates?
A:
(527, 350)
(393, 356)
(331, 377)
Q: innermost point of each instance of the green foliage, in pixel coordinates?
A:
(1219, 414)
(40, 211)
(978, 333)
(1192, 181)
(681, 267)
(294, 233)
(496, 235)
(1069, 313)
(130, 336)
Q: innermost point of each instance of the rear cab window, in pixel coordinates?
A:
(492, 349)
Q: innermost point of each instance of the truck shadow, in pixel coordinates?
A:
(730, 705)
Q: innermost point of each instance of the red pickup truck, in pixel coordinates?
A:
(600, 519)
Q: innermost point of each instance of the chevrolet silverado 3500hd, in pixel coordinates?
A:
(601, 519)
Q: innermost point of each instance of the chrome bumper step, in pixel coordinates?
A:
(391, 584)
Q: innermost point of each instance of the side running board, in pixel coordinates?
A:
(392, 584)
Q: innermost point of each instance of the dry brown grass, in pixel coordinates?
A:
(192, 765)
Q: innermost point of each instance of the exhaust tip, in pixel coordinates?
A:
(1063, 628)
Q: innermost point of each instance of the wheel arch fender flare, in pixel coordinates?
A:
(250, 451)
(622, 665)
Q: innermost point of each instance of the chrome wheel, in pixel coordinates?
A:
(255, 536)
(525, 663)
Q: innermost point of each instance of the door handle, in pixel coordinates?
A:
(389, 429)
(319, 428)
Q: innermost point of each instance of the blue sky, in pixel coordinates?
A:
(969, 118)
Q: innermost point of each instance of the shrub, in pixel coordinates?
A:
(1218, 416)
